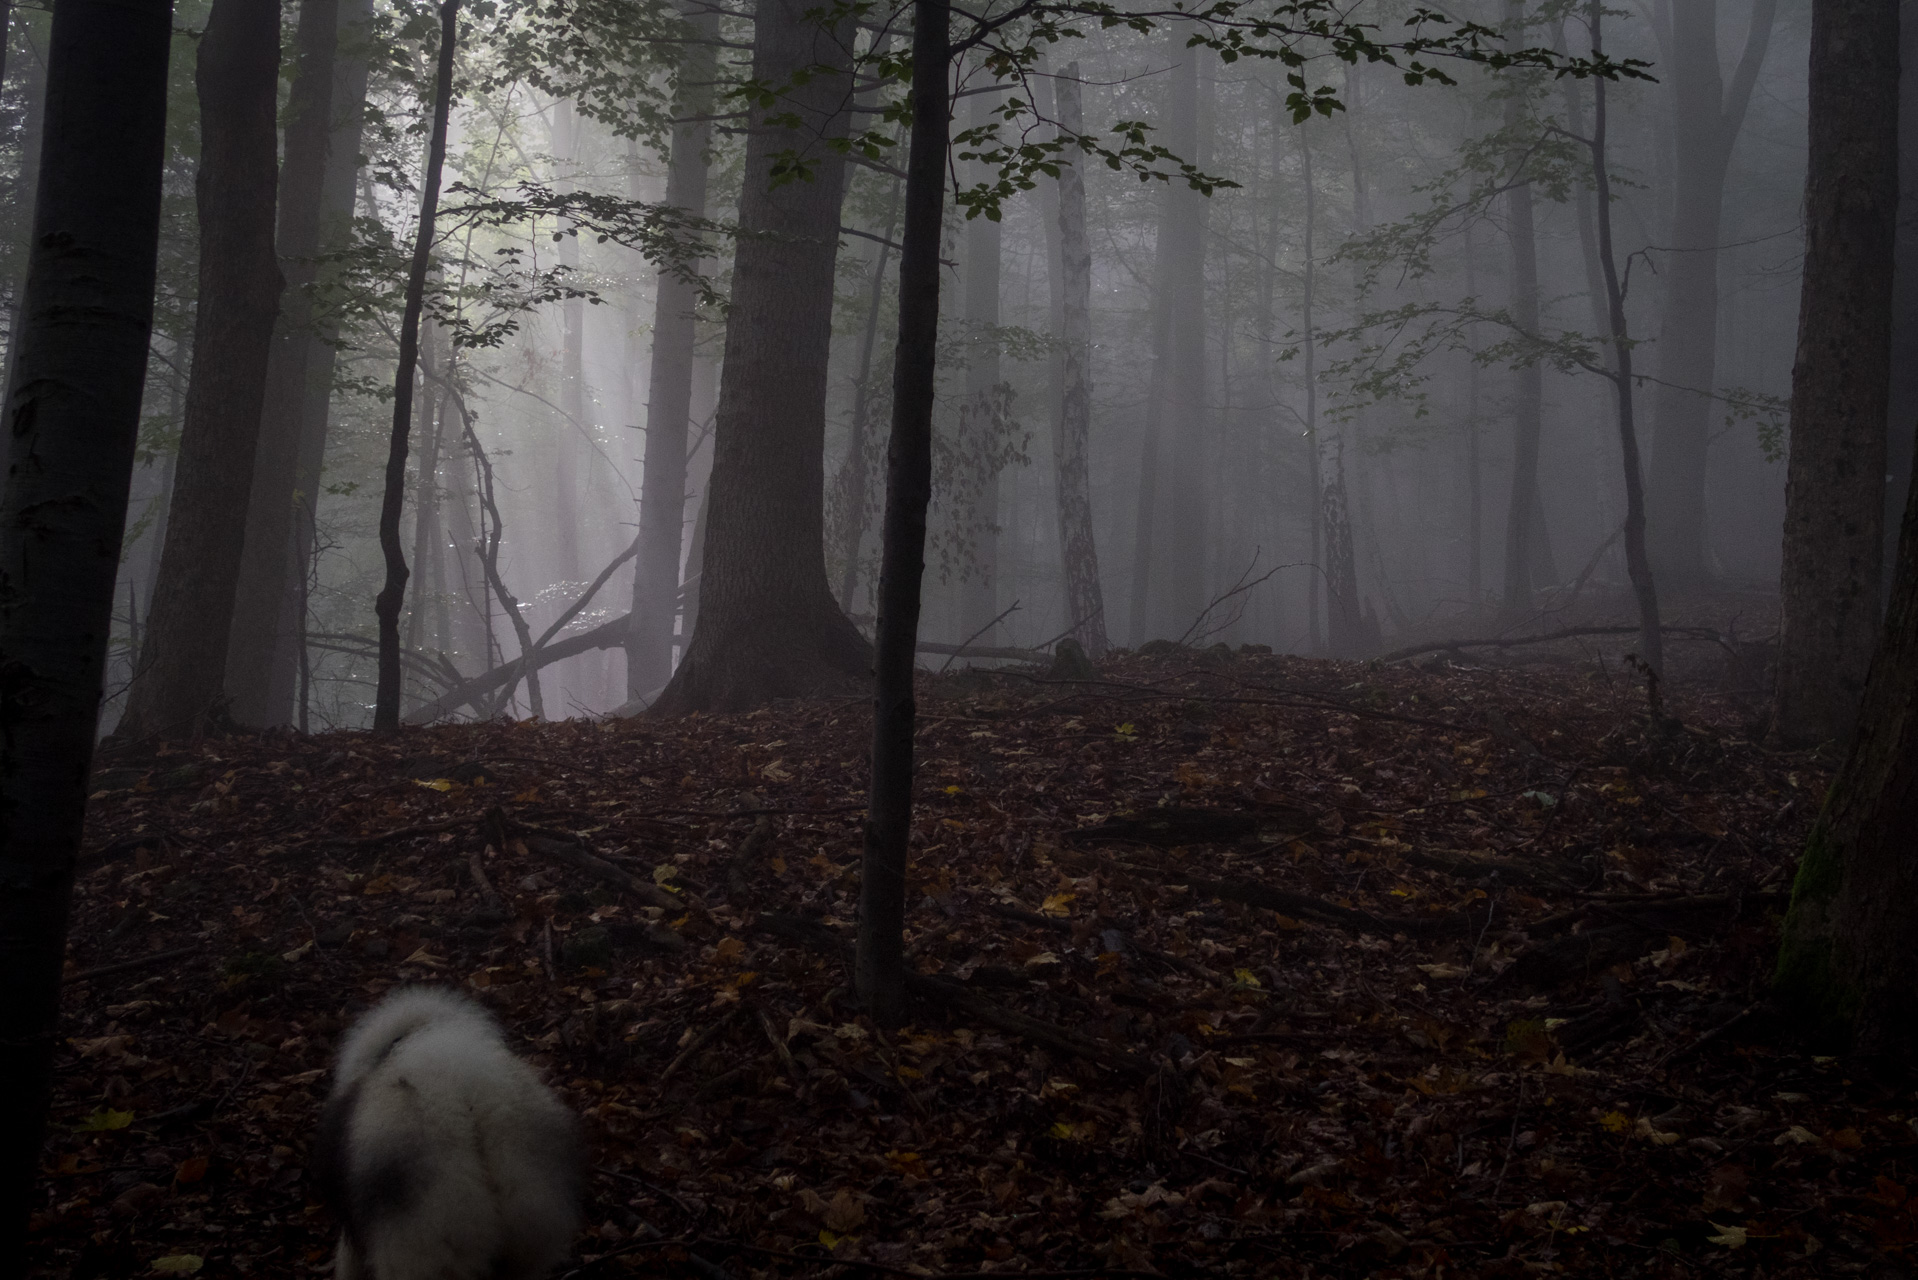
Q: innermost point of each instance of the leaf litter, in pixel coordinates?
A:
(1223, 965)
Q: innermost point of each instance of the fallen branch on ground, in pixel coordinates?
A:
(1513, 642)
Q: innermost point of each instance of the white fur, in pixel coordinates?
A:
(444, 1155)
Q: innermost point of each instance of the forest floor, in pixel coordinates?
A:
(1233, 965)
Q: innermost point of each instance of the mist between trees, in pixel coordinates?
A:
(1362, 359)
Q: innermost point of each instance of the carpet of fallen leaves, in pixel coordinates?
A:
(1235, 965)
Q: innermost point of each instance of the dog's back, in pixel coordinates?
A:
(441, 1152)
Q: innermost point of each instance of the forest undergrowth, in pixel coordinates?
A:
(1227, 964)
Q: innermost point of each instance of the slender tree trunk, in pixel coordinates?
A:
(979, 594)
(259, 604)
(426, 494)
(1841, 380)
(566, 514)
(879, 970)
(183, 666)
(1474, 470)
(1085, 598)
(1344, 613)
(1651, 644)
(1900, 446)
(768, 624)
(73, 420)
(1528, 392)
(1320, 587)
(662, 499)
(386, 709)
(1705, 124)
(854, 481)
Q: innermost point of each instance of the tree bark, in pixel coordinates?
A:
(1841, 379)
(386, 707)
(1848, 959)
(181, 685)
(287, 579)
(662, 497)
(565, 514)
(768, 625)
(259, 603)
(78, 368)
(1085, 598)
(1706, 120)
(879, 967)
(1904, 303)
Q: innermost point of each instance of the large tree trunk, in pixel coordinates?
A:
(259, 604)
(1085, 598)
(1848, 961)
(879, 973)
(73, 419)
(662, 496)
(392, 597)
(768, 624)
(1173, 508)
(1904, 302)
(1834, 488)
(1705, 123)
(181, 684)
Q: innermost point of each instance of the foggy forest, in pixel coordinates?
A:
(1052, 638)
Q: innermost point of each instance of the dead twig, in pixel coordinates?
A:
(126, 966)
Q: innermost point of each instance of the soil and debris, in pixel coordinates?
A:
(1226, 964)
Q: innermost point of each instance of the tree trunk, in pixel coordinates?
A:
(662, 496)
(1651, 646)
(565, 515)
(1085, 599)
(181, 686)
(979, 592)
(1528, 392)
(854, 481)
(879, 970)
(1706, 122)
(73, 419)
(426, 493)
(1834, 488)
(1319, 587)
(768, 624)
(259, 604)
(386, 707)
(1904, 304)
(1172, 505)
(1848, 959)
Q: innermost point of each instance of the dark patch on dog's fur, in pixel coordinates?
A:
(330, 1155)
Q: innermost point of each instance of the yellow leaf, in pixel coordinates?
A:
(1615, 1122)
(953, 790)
(103, 1120)
(1730, 1237)
(179, 1264)
(528, 796)
(728, 950)
(1127, 730)
(663, 872)
(1247, 978)
(1058, 904)
(828, 1239)
(431, 784)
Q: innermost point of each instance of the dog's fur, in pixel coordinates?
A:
(443, 1155)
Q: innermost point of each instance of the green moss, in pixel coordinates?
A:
(1821, 872)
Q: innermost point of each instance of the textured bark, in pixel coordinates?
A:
(180, 687)
(979, 593)
(879, 973)
(1705, 122)
(1848, 959)
(1904, 302)
(73, 418)
(662, 497)
(1834, 486)
(260, 599)
(1085, 599)
(768, 625)
(392, 597)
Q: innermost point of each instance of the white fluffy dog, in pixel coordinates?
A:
(443, 1155)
